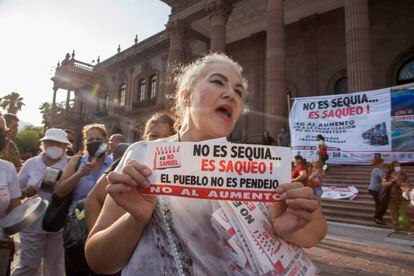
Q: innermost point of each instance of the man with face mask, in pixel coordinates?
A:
(38, 245)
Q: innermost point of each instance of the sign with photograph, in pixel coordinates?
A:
(356, 126)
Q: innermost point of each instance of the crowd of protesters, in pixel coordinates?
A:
(391, 191)
(208, 102)
(83, 177)
(96, 185)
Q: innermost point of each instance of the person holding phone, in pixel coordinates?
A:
(80, 176)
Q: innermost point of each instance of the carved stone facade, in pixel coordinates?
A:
(288, 48)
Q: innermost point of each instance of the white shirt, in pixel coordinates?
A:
(9, 186)
(31, 175)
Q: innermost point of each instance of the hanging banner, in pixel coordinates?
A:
(357, 126)
(221, 171)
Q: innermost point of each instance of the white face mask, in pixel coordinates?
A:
(397, 169)
(54, 152)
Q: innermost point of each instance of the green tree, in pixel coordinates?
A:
(27, 139)
(12, 102)
(46, 111)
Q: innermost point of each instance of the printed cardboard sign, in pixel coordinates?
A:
(221, 171)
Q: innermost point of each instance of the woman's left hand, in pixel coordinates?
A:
(295, 211)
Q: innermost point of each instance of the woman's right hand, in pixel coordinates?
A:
(123, 188)
(29, 191)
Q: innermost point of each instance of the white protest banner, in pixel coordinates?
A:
(357, 126)
(349, 192)
(221, 171)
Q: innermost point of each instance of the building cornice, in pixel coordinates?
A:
(142, 47)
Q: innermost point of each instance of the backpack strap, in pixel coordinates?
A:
(78, 163)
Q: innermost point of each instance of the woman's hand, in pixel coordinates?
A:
(85, 169)
(296, 211)
(29, 191)
(123, 188)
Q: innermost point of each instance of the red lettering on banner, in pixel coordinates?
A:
(344, 112)
(242, 167)
(207, 165)
(207, 193)
(313, 115)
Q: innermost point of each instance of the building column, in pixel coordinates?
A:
(175, 30)
(309, 31)
(358, 51)
(219, 13)
(67, 102)
(276, 101)
(54, 101)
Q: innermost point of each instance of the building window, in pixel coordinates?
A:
(103, 101)
(142, 84)
(406, 73)
(153, 86)
(122, 94)
(341, 86)
(107, 100)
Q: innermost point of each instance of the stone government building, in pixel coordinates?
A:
(288, 48)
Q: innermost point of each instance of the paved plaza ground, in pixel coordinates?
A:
(333, 257)
(359, 250)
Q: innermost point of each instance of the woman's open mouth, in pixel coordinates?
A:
(225, 111)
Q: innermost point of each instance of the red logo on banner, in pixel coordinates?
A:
(167, 157)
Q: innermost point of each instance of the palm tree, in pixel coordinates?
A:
(12, 102)
(46, 111)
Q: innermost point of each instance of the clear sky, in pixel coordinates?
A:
(36, 34)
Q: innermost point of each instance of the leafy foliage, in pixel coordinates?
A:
(27, 139)
(47, 112)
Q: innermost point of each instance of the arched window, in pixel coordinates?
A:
(406, 73)
(142, 84)
(153, 86)
(341, 86)
(122, 94)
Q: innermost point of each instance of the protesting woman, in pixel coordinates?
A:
(322, 150)
(398, 205)
(315, 178)
(79, 177)
(9, 185)
(9, 199)
(300, 172)
(375, 187)
(181, 240)
(37, 245)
